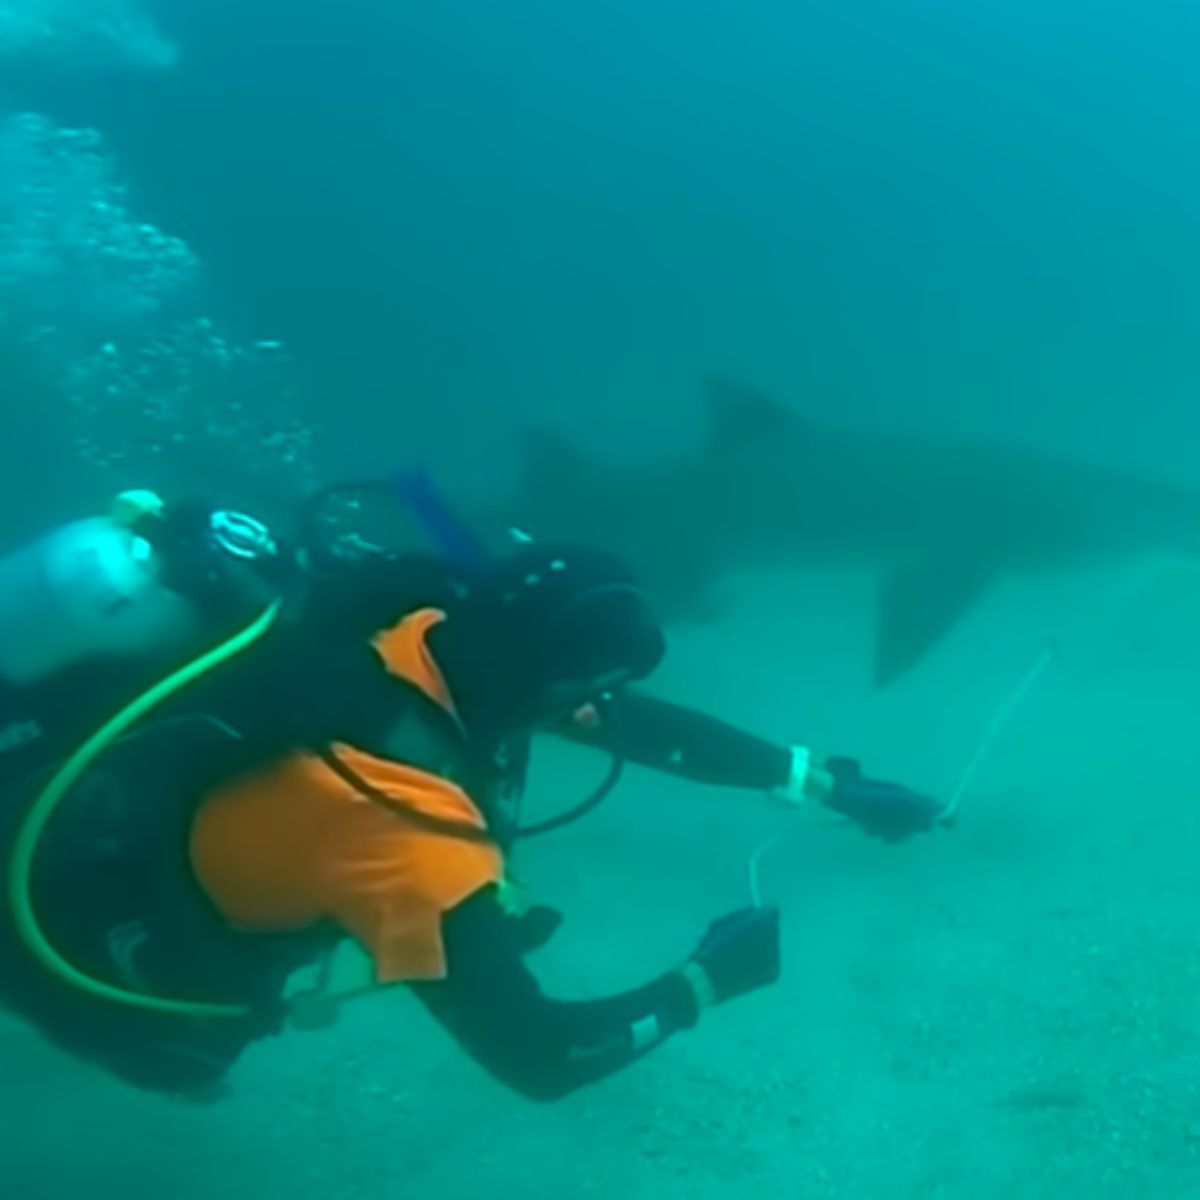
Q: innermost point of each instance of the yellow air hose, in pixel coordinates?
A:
(44, 807)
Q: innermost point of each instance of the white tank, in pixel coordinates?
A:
(89, 590)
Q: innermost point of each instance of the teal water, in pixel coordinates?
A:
(969, 221)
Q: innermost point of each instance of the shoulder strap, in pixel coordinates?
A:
(417, 731)
(421, 734)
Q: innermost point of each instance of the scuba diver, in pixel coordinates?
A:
(291, 802)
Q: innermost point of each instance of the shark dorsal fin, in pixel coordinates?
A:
(550, 461)
(742, 413)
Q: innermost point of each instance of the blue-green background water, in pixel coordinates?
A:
(932, 214)
(971, 219)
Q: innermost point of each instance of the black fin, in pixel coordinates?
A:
(919, 605)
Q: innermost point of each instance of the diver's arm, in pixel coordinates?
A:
(681, 741)
(542, 1048)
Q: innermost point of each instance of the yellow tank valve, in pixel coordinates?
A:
(133, 506)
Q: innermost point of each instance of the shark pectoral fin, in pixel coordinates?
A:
(919, 605)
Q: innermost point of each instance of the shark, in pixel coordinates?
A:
(939, 522)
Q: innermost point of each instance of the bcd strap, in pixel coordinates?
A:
(424, 736)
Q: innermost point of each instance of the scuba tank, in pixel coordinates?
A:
(96, 609)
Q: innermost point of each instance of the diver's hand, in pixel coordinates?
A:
(534, 928)
(883, 810)
(738, 954)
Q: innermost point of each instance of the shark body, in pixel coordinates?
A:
(939, 522)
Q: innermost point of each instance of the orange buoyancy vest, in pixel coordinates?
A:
(310, 839)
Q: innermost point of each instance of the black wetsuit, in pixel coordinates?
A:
(490, 1001)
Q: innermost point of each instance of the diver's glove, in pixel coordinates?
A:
(534, 928)
(738, 954)
(884, 810)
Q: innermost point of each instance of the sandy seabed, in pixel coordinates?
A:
(1008, 1009)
